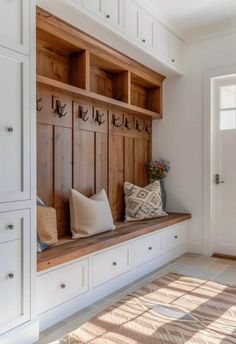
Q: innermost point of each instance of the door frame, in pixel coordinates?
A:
(209, 77)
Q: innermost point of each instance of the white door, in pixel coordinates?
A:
(162, 41)
(14, 25)
(147, 25)
(114, 12)
(175, 49)
(132, 13)
(224, 171)
(94, 6)
(14, 126)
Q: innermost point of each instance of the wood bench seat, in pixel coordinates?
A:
(68, 249)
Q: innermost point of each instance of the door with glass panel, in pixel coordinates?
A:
(224, 174)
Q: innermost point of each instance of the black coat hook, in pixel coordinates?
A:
(98, 117)
(128, 124)
(148, 128)
(116, 121)
(38, 106)
(60, 109)
(83, 113)
(139, 126)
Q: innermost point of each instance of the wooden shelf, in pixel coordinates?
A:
(109, 102)
(73, 249)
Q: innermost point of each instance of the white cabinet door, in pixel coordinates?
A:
(15, 274)
(113, 12)
(94, 6)
(14, 126)
(14, 24)
(132, 13)
(176, 50)
(162, 41)
(147, 25)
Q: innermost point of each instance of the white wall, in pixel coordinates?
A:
(178, 137)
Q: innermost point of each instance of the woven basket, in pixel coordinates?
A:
(47, 225)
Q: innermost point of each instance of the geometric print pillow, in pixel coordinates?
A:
(143, 203)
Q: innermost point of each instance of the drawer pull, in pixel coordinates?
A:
(11, 275)
(176, 236)
(143, 40)
(108, 16)
(11, 227)
(150, 248)
(63, 286)
(114, 263)
(10, 129)
(173, 60)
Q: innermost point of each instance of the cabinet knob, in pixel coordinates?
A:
(10, 129)
(114, 263)
(10, 226)
(11, 275)
(176, 236)
(143, 40)
(173, 60)
(108, 16)
(150, 248)
(63, 286)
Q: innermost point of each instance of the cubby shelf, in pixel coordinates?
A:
(109, 102)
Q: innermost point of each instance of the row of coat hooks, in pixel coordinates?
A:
(134, 124)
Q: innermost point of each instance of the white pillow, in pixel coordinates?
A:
(90, 216)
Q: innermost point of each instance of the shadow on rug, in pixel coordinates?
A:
(173, 309)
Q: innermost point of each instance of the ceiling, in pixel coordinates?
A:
(190, 17)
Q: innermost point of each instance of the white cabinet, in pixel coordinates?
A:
(147, 248)
(132, 11)
(14, 25)
(14, 270)
(110, 264)
(147, 29)
(176, 50)
(14, 126)
(162, 41)
(110, 11)
(174, 237)
(62, 285)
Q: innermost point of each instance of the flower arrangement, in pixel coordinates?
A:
(157, 169)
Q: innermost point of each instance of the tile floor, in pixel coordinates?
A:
(219, 270)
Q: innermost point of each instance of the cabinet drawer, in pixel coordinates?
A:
(12, 286)
(14, 25)
(147, 248)
(174, 237)
(12, 225)
(61, 285)
(110, 264)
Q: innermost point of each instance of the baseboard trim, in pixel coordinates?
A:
(24, 334)
(223, 256)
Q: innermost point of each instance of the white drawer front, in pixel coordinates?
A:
(13, 308)
(14, 24)
(11, 225)
(174, 237)
(147, 248)
(61, 285)
(110, 264)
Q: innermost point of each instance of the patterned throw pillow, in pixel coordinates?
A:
(143, 203)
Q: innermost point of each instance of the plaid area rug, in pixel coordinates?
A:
(173, 309)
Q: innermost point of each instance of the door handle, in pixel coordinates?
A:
(218, 180)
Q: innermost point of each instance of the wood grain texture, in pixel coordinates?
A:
(101, 162)
(74, 249)
(45, 162)
(62, 177)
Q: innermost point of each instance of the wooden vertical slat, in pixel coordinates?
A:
(62, 176)
(45, 178)
(80, 69)
(129, 159)
(101, 175)
(140, 158)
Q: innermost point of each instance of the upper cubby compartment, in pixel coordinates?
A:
(145, 94)
(60, 60)
(108, 79)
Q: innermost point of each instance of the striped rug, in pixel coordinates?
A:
(173, 309)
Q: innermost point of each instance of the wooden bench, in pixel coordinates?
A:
(68, 249)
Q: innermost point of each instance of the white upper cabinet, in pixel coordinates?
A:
(14, 25)
(132, 12)
(147, 29)
(14, 126)
(175, 50)
(110, 11)
(162, 41)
